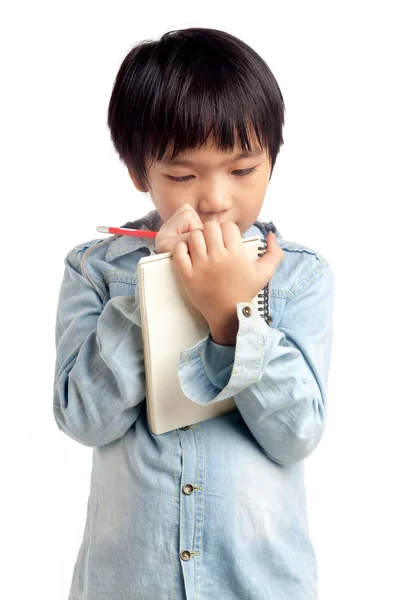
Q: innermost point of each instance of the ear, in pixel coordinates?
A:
(136, 182)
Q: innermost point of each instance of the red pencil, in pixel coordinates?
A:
(126, 231)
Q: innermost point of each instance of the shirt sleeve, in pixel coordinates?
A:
(99, 380)
(277, 376)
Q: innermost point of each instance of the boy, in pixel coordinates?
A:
(217, 509)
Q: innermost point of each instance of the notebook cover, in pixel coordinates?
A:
(170, 324)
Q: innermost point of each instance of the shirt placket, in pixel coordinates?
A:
(191, 519)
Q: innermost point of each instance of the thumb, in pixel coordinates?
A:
(267, 264)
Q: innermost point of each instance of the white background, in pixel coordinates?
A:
(335, 188)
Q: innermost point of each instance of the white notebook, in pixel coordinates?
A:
(170, 324)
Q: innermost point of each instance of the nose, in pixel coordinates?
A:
(214, 198)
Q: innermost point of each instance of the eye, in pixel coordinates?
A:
(238, 173)
(180, 179)
(242, 172)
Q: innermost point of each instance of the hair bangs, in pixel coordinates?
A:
(220, 118)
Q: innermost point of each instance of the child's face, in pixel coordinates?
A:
(214, 185)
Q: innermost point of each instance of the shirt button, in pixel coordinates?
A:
(246, 311)
(185, 428)
(185, 555)
(269, 319)
(188, 488)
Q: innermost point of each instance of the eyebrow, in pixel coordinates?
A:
(184, 162)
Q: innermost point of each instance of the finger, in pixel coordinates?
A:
(274, 251)
(232, 238)
(183, 207)
(272, 244)
(197, 246)
(182, 259)
(186, 219)
(185, 222)
(270, 261)
(213, 238)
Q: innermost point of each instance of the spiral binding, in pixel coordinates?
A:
(265, 293)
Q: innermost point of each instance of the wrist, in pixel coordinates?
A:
(226, 335)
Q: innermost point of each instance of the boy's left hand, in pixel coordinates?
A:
(217, 274)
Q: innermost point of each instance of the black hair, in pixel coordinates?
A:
(186, 85)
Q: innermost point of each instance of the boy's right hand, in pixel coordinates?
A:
(177, 228)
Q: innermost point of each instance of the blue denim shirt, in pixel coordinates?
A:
(216, 510)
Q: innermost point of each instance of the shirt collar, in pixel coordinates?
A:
(124, 244)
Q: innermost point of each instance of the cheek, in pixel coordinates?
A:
(168, 201)
(262, 181)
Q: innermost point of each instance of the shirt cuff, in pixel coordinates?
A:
(209, 372)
